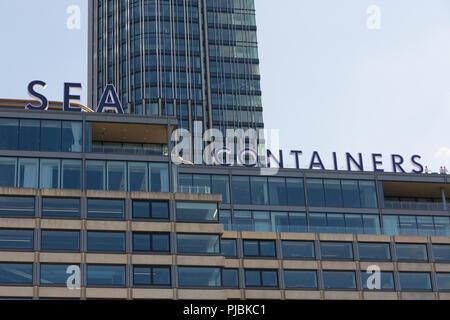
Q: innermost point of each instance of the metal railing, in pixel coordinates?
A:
(413, 205)
(194, 189)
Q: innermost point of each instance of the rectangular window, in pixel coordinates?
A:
(443, 281)
(441, 252)
(28, 173)
(106, 209)
(16, 273)
(368, 194)
(414, 281)
(29, 135)
(150, 210)
(316, 195)
(221, 185)
(259, 248)
(54, 274)
(50, 135)
(411, 252)
(49, 174)
(159, 177)
(95, 175)
(277, 191)
(61, 207)
(151, 242)
(137, 177)
(16, 239)
(259, 190)
(105, 275)
(9, 131)
(60, 240)
(241, 190)
(116, 176)
(71, 174)
(198, 243)
(199, 277)
(146, 275)
(387, 281)
(230, 278)
(333, 194)
(106, 241)
(72, 136)
(374, 251)
(339, 280)
(8, 172)
(228, 247)
(193, 211)
(350, 194)
(336, 250)
(261, 278)
(300, 279)
(16, 206)
(295, 192)
(298, 249)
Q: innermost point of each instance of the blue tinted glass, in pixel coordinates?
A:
(336, 250)
(16, 239)
(71, 174)
(252, 278)
(141, 242)
(72, 136)
(29, 135)
(159, 177)
(414, 252)
(316, 196)
(277, 191)
(8, 172)
(269, 278)
(142, 275)
(368, 194)
(230, 278)
(251, 248)
(259, 190)
(16, 273)
(161, 276)
(241, 190)
(60, 240)
(137, 176)
(192, 211)
(160, 242)
(105, 275)
(99, 208)
(300, 279)
(28, 173)
(295, 192)
(339, 280)
(199, 277)
(228, 247)
(374, 251)
(267, 248)
(9, 131)
(106, 241)
(443, 281)
(141, 209)
(350, 194)
(441, 252)
(116, 175)
(95, 175)
(221, 185)
(198, 243)
(414, 281)
(50, 135)
(17, 206)
(60, 207)
(54, 274)
(298, 249)
(160, 210)
(333, 194)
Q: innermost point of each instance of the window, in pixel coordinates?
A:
(228, 247)
(105, 275)
(339, 280)
(116, 175)
(192, 211)
(277, 191)
(16, 206)
(221, 185)
(106, 208)
(295, 192)
(336, 250)
(387, 281)
(71, 174)
(441, 252)
(411, 252)
(259, 190)
(316, 196)
(230, 278)
(298, 249)
(414, 281)
(443, 281)
(368, 194)
(16, 239)
(374, 251)
(150, 210)
(146, 275)
(333, 195)
(106, 241)
(54, 274)
(95, 175)
(9, 131)
(241, 190)
(61, 207)
(159, 177)
(350, 194)
(50, 135)
(259, 248)
(16, 273)
(60, 240)
(28, 173)
(261, 278)
(151, 242)
(49, 174)
(29, 135)
(199, 277)
(198, 243)
(8, 172)
(300, 279)
(72, 136)
(137, 176)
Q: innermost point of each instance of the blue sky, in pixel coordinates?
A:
(329, 83)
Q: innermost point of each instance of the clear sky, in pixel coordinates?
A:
(329, 82)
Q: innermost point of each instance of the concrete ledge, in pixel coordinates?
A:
(166, 294)
(262, 294)
(373, 238)
(444, 295)
(410, 239)
(16, 292)
(159, 260)
(187, 294)
(297, 236)
(335, 237)
(372, 295)
(232, 263)
(60, 193)
(259, 235)
(230, 235)
(261, 264)
(61, 224)
(216, 261)
(151, 226)
(416, 267)
(58, 292)
(338, 265)
(443, 240)
(92, 225)
(17, 223)
(442, 267)
(341, 295)
(16, 256)
(108, 293)
(28, 192)
(233, 294)
(150, 195)
(300, 265)
(210, 228)
(384, 266)
(106, 258)
(102, 194)
(418, 296)
(302, 295)
(53, 257)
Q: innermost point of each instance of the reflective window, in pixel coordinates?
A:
(150, 210)
(16, 273)
(50, 135)
(72, 136)
(261, 278)
(414, 281)
(8, 172)
(71, 174)
(28, 173)
(368, 194)
(106, 209)
(60, 240)
(300, 279)
(339, 280)
(193, 211)
(336, 250)
(54, 274)
(441, 252)
(241, 189)
(443, 281)
(277, 191)
(159, 177)
(295, 192)
(95, 175)
(333, 195)
(105, 275)
(259, 248)
(350, 194)
(259, 190)
(221, 185)
(228, 247)
(16, 239)
(198, 243)
(29, 135)
(116, 175)
(316, 195)
(387, 281)
(146, 275)
(9, 131)
(298, 249)
(49, 174)
(61, 207)
(411, 252)
(137, 177)
(151, 242)
(106, 241)
(230, 278)
(374, 251)
(199, 277)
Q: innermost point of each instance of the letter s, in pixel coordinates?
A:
(33, 94)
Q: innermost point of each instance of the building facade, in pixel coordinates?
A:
(196, 60)
(99, 192)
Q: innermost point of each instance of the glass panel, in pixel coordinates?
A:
(336, 250)
(28, 173)
(142, 242)
(371, 224)
(141, 209)
(269, 278)
(199, 277)
(336, 223)
(61, 207)
(443, 281)
(252, 278)
(9, 131)
(95, 175)
(106, 209)
(300, 279)
(60, 240)
(221, 185)
(251, 248)
(159, 177)
(259, 190)
(16, 239)
(368, 194)
(106, 241)
(350, 194)
(318, 222)
(50, 135)
(228, 247)
(160, 243)
(387, 280)
(197, 243)
(160, 210)
(390, 225)
(225, 219)
(374, 251)
(192, 211)
(137, 176)
(280, 222)
(142, 275)
(54, 273)
(297, 222)
(17, 206)
(298, 249)
(202, 183)
(267, 248)
(354, 224)
(295, 192)
(116, 176)
(441, 252)
(339, 280)
(277, 191)
(16, 273)
(333, 195)
(29, 135)
(161, 276)
(241, 190)
(230, 278)
(8, 172)
(414, 252)
(72, 136)
(49, 174)
(414, 281)
(71, 177)
(316, 196)
(105, 275)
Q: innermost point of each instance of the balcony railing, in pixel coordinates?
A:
(194, 189)
(413, 205)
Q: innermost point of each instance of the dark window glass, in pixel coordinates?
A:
(414, 281)
(441, 252)
(60, 240)
(106, 241)
(106, 208)
(300, 279)
(16, 239)
(230, 278)
(50, 135)
(29, 135)
(17, 206)
(159, 177)
(16, 273)
(72, 136)
(95, 175)
(277, 191)
(150, 210)
(61, 207)
(143, 275)
(443, 281)
(368, 194)
(8, 172)
(386, 283)
(259, 190)
(316, 196)
(199, 277)
(151, 242)
(259, 248)
(228, 247)
(9, 131)
(295, 192)
(241, 190)
(141, 209)
(193, 211)
(333, 194)
(318, 222)
(336, 250)
(350, 194)
(105, 275)
(71, 174)
(221, 185)
(298, 249)
(414, 252)
(54, 274)
(160, 210)
(261, 278)
(374, 251)
(339, 280)
(198, 243)
(137, 176)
